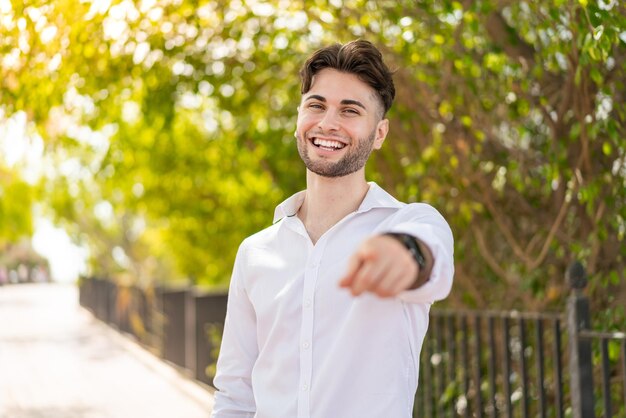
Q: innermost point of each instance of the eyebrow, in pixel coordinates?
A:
(343, 102)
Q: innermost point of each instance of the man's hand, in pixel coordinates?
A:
(381, 265)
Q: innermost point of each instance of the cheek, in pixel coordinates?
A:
(305, 122)
(357, 130)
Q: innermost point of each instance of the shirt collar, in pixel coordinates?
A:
(289, 207)
(376, 197)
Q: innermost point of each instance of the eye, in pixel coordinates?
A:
(316, 106)
(351, 111)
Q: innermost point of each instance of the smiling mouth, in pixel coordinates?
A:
(327, 144)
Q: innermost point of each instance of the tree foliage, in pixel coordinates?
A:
(16, 199)
(174, 121)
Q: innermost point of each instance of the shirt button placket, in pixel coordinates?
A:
(306, 335)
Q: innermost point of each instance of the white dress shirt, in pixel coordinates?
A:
(296, 345)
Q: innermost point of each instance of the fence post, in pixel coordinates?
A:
(580, 362)
(190, 331)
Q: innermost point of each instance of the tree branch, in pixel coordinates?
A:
(497, 216)
(493, 264)
(555, 226)
(491, 261)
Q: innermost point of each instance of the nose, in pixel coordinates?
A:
(329, 121)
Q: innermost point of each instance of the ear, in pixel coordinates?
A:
(381, 133)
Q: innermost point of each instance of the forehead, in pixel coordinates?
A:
(336, 85)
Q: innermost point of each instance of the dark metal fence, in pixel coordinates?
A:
(491, 364)
(473, 363)
(593, 356)
(522, 364)
(182, 326)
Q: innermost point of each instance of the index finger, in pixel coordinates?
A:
(362, 255)
(353, 266)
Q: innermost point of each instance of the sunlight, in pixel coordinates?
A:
(67, 260)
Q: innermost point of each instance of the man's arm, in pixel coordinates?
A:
(384, 264)
(238, 352)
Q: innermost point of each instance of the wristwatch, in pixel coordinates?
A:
(411, 244)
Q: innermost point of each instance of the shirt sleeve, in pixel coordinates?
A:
(426, 224)
(234, 397)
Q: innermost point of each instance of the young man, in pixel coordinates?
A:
(328, 307)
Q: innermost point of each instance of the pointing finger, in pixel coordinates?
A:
(353, 266)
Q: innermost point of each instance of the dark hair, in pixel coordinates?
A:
(360, 58)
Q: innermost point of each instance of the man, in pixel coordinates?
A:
(329, 306)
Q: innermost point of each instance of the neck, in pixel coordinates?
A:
(328, 200)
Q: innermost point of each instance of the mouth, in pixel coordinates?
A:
(327, 144)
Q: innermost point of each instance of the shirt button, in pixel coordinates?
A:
(307, 303)
(305, 387)
(306, 345)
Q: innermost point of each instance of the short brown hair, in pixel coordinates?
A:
(360, 58)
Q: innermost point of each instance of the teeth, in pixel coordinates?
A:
(328, 144)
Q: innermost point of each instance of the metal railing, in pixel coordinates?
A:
(514, 364)
(182, 326)
(612, 400)
(473, 363)
(491, 364)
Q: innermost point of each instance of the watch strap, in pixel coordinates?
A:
(410, 244)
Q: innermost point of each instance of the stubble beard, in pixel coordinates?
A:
(351, 162)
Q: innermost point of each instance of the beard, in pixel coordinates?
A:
(352, 161)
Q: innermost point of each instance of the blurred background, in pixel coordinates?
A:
(141, 141)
